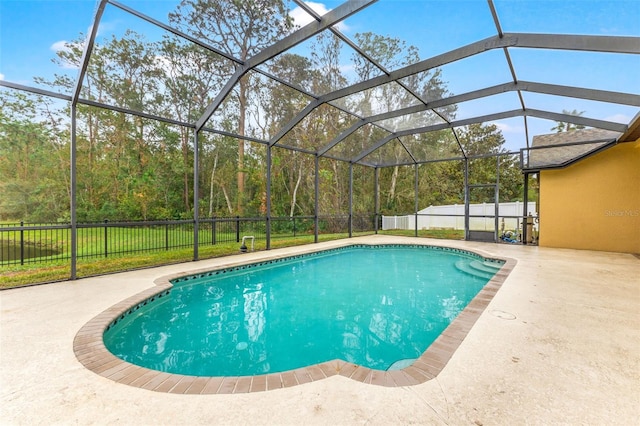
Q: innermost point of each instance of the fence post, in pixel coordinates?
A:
(106, 241)
(237, 229)
(22, 242)
(166, 234)
(213, 231)
(267, 231)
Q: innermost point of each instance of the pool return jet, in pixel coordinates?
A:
(243, 247)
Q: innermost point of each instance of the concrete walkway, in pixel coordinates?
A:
(559, 344)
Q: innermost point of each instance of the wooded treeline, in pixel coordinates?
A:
(131, 168)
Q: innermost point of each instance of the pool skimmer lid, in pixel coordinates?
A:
(503, 315)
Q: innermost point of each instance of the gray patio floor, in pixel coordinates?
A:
(570, 356)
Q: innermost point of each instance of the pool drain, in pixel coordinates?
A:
(503, 315)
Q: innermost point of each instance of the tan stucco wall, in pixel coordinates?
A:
(595, 203)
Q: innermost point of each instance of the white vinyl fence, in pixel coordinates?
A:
(452, 217)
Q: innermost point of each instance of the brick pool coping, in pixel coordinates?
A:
(89, 348)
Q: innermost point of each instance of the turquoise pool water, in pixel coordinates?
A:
(379, 307)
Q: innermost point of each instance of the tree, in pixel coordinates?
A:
(442, 183)
(241, 29)
(290, 169)
(191, 78)
(392, 53)
(131, 167)
(566, 126)
(33, 160)
(479, 139)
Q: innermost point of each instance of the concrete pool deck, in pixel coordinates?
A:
(559, 343)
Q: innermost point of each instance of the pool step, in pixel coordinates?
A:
(486, 266)
(402, 363)
(478, 268)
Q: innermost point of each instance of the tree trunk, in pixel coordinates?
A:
(242, 99)
(337, 199)
(377, 191)
(226, 197)
(185, 175)
(392, 189)
(295, 193)
(213, 171)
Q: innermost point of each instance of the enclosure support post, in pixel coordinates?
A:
(350, 200)
(415, 196)
(466, 199)
(84, 65)
(497, 200)
(268, 212)
(376, 200)
(196, 190)
(524, 209)
(73, 178)
(316, 198)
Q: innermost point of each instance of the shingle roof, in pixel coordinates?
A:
(564, 147)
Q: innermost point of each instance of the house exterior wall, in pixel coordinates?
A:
(607, 186)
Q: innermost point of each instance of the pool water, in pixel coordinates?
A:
(378, 307)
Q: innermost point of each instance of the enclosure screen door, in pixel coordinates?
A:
(482, 212)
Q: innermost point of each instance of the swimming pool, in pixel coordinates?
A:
(387, 329)
(375, 306)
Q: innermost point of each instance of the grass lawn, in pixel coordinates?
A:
(59, 270)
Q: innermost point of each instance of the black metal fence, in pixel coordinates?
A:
(22, 243)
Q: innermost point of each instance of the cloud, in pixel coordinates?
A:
(65, 46)
(166, 64)
(62, 45)
(619, 118)
(348, 69)
(302, 18)
(105, 27)
(1, 76)
(507, 128)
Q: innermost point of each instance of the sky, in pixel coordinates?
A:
(32, 30)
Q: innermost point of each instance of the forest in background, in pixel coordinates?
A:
(134, 168)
